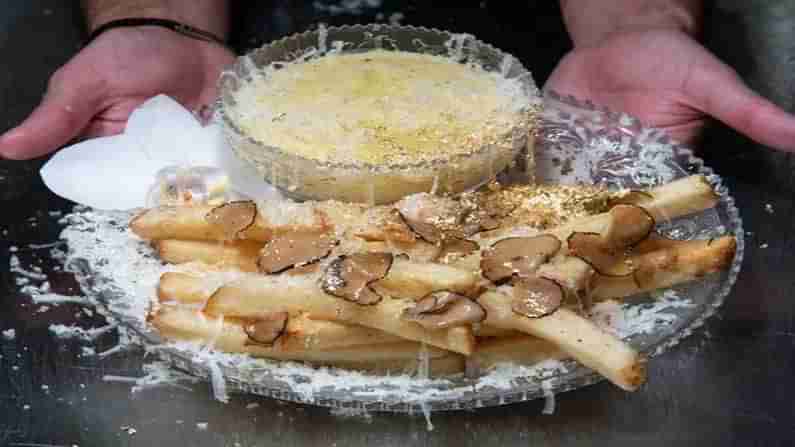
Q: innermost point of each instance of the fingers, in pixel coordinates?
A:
(64, 112)
(722, 94)
(102, 128)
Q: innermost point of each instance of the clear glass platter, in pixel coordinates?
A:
(578, 142)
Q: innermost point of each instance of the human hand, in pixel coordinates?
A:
(669, 81)
(94, 93)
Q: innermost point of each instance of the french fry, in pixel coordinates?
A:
(519, 349)
(190, 222)
(665, 202)
(300, 334)
(576, 336)
(234, 254)
(668, 267)
(481, 331)
(406, 279)
(306, 333)
(656, 242)
(276, 218)
(252, 296)
(191, 288)
(239, 254)
(414, 280)
(679, 198)
(228, 335)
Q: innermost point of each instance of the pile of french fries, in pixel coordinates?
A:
(380, 289)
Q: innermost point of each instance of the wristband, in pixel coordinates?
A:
(180, 28)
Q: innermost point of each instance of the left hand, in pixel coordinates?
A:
(669, 81)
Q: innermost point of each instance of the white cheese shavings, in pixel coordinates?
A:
(352, 7)
(56, 298)
(157, 374)
(15, 266)
(380, 107)
(63, 331)
(217, 381)
(549, 397)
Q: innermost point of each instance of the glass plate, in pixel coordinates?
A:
(579, 142)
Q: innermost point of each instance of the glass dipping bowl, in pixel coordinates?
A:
(304, 178)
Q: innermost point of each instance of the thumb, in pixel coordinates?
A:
(724, 96)
(65, 110)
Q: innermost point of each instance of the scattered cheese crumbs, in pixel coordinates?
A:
(115, 378)
(160, 374)
(624, 319)
(549, 397)
(426, 411)
(63, 331)
(395, 18)
(352, 7)
(217, 381)
(769, 208)
(48, 245)
(9, 334)
(56, 298)
(15, 266)
(352, 412)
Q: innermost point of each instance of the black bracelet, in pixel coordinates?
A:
(181, 28)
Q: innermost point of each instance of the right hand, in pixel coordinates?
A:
(669, 81)
(95, 92)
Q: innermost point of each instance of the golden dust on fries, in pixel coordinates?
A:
(290, 281)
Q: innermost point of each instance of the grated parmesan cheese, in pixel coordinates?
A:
(549, 397)
(379, 107)
(63, 331)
